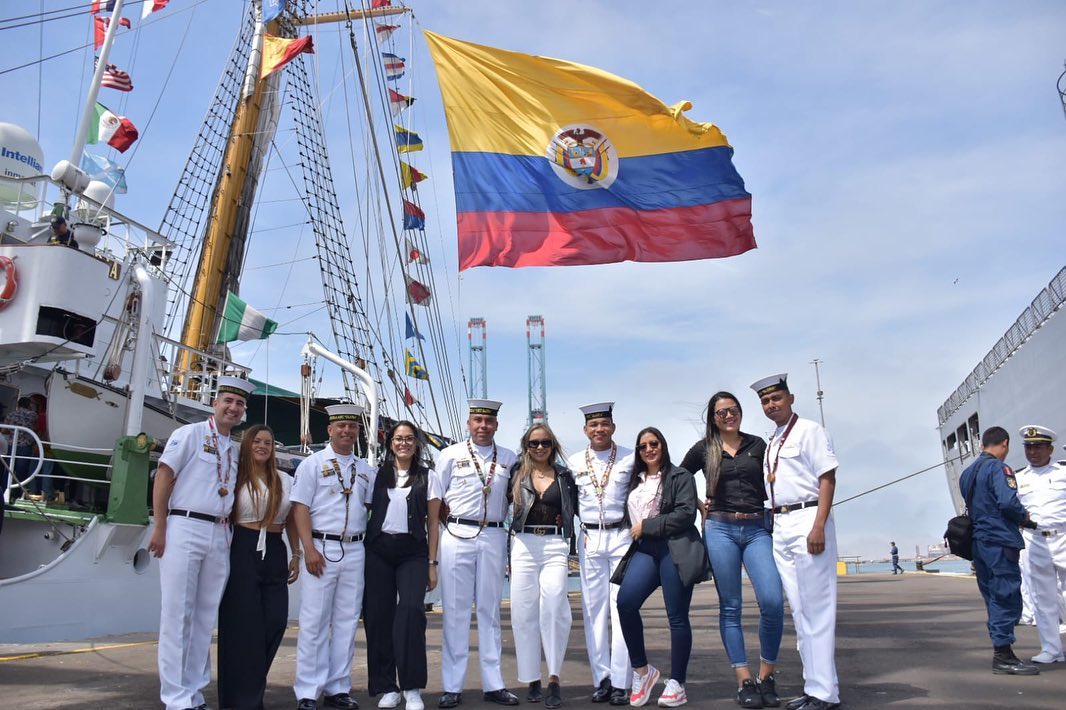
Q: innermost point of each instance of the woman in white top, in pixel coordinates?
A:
(399, 548)
(255, 605)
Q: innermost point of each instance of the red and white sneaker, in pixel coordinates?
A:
(642, 686)
(673, 695)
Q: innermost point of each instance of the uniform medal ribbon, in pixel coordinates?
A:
(771, 473)
(223, 483)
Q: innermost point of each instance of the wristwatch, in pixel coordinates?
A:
(434, 562)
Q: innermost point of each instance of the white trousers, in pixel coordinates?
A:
(599, 552)
(1027, 593)
(810, 582)
(1045, 570)
(192, 576)
(471, 574)
(329, 613)
(540, 609)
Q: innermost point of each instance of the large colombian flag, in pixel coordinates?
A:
(557, 163)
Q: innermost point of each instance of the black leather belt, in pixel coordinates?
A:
(730, 516)
(337, 538)
(605, 526)
(477, 523)
(795, 506)
(1049, 533)
(542, 529)
(197, 516)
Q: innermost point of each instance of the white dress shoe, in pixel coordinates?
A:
(1045, 657)
(413, 699)
(389, 700)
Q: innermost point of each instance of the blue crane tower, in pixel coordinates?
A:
(538, 403)
(477, 337)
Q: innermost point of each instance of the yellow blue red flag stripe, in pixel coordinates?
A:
(559, 163)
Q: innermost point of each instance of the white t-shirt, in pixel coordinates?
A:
(395, 522)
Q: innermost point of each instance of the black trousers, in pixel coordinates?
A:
(397, 569)
(251, 618)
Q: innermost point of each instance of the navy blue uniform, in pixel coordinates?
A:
(991, 490)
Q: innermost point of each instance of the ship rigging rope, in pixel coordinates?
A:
(890, 483)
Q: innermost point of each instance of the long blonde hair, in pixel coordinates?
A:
(525, 461)
(248, 473)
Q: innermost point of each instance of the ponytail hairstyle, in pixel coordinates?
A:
(712, 465)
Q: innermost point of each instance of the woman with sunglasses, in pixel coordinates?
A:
(737, 536)
(543, 497)
(667, 552)
(255, 604)
(399, 546)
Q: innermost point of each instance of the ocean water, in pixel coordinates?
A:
(953, 566)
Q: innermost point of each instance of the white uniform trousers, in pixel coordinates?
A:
(1027, 594)
(471, 573)
(810, 582)
(329, 614)
(192, 577)
(1045, 570)
(540, 609)
(599, 552)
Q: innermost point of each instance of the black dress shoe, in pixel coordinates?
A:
(816, 704)
(619, 696)
(797, 703)
(503, 696)
(1009, 664)
(534, 695)
(307, 704)
(603, 693)
(555, 696)
(340, 700)
(450, 700)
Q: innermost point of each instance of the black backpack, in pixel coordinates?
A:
(959, 535)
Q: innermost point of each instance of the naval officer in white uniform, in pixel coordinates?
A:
(191, 500)
(601, 472)
(1042, 490)
(330, 498)
(800, 468)
(471, 479)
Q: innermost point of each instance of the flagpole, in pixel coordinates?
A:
(89, 111)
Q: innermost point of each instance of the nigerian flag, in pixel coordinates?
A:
(242, 322)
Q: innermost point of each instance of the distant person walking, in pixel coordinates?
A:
(990, 490)
(895, 559)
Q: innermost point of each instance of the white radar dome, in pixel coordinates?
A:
(20, 156)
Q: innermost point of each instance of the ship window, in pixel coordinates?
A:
(950, 442)
(964, 441)
(975, 427)
(58, 323)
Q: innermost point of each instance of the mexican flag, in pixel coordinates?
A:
(107, 127)
(242, 322)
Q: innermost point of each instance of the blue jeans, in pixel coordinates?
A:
(730, 544)
(650, 567)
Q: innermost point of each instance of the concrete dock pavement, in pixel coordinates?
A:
(910, 641)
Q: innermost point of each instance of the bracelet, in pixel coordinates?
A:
(297, 555)
(434, 563)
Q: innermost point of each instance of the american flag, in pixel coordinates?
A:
(115, 78)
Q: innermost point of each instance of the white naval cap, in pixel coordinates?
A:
(484, 406)
(234, 385)
(345, 412)
(1033, 434)
(599, 410)
(769, 384)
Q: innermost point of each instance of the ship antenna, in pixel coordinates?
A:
(818, 378)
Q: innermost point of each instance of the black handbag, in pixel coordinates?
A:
(959, 535)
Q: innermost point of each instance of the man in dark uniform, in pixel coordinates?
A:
(61, 233)
(895, 559)
(990, 491)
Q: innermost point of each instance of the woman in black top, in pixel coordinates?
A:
(736, 534)
(542, 523)
(398, 550)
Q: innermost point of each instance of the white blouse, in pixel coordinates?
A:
(395, 522)
(644, 500)
(250, 510)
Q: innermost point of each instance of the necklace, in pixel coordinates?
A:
(223, 483)
(599, 487)
(486, 482)
(771, 473)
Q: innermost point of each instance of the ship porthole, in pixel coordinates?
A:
(141, 560)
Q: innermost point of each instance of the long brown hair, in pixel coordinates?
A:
(248, 473)
(712, 466)
(525, 461)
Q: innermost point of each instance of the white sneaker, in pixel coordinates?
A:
(642, 686)
(389, 700)
(1062, 629)
(1045, 657)
(673, 695)
(413, 699)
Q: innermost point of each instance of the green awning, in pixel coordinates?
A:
(270, 390)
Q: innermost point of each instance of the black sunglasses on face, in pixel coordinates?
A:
(649, 445)
(539, 444)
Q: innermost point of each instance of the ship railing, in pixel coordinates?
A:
(41, 460)
(1049, 300)
(12, 435)
(198, 383)
(35, 200)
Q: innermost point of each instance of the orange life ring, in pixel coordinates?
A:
(11, 282)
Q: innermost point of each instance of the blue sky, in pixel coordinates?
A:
(906, 163)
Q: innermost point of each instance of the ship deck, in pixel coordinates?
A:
(916, 640)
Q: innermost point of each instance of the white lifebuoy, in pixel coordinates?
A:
(11, 280)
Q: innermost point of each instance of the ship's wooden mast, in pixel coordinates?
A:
(215, 265)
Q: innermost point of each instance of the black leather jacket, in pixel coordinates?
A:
(569, 495)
